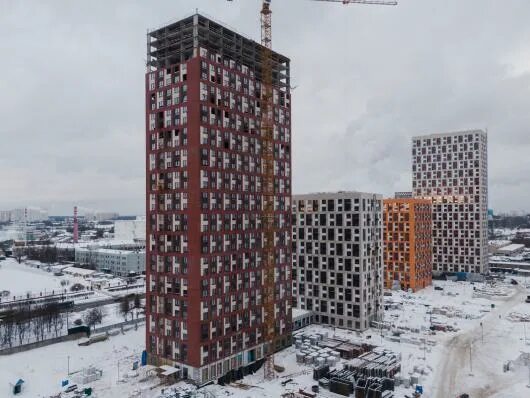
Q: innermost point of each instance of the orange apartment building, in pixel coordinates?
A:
(407, 241)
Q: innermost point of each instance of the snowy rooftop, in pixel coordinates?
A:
(79, 271)
(511, 248)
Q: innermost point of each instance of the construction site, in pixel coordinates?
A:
(218, 190)
(253, 292)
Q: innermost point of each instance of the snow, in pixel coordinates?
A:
(439, 359)
(43, 376)
(19, 279)
(297, 312)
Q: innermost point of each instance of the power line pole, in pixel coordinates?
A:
(470, 359)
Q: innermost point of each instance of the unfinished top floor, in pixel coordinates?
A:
(182, 40)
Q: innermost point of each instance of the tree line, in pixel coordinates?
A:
(28, 323)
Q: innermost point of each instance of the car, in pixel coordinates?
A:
(438, 288)
(513, 282)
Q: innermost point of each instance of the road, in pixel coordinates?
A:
(80, 306)
(455, 364)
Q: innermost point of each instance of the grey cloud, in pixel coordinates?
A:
(369, 78)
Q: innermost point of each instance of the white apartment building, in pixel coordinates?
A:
(451, 169)
(116, 262)
(338, 257)
(5, 215)
(99, 216)
(29, 214)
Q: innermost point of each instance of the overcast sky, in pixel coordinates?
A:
(368, 78)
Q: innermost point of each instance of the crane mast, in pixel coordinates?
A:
(268, 194)
(267, 145)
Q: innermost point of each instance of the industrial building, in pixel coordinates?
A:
(451, 170)
(204, 200)
(338, 257)
(407, 240)
(112, 261)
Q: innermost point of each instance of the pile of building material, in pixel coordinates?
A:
(88, 375)
(346, 382)
(452, 312)
(417, 341)
(313, 355)
(378, 363)
(493, 292)
(319, 349)
(518, 317)
(178, 392)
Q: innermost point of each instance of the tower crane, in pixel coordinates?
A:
(267, 137)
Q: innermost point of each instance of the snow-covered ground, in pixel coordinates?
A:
(439, 360)
(43, 369)
(19, 279)
(447, 363)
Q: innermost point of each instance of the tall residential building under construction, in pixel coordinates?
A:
(204, 200)
(338, 257)
(451, 170)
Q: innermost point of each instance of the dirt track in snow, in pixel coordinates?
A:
(455, 368)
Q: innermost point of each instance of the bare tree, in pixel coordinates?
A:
(18, 252)
(93, 317)
(137, 301)
(9, 328)
(22, 324)
(37, 324)
(58, 323)
(49, 313)
(125, 307)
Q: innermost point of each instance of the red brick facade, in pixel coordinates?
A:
(204, 233)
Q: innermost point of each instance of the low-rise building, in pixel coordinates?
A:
(407, 240)
(510, 250)
(78, 272)
(116, 262)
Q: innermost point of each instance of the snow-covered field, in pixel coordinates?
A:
(43, 369)
(20, 279)
(482, 331)
(440, 360)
